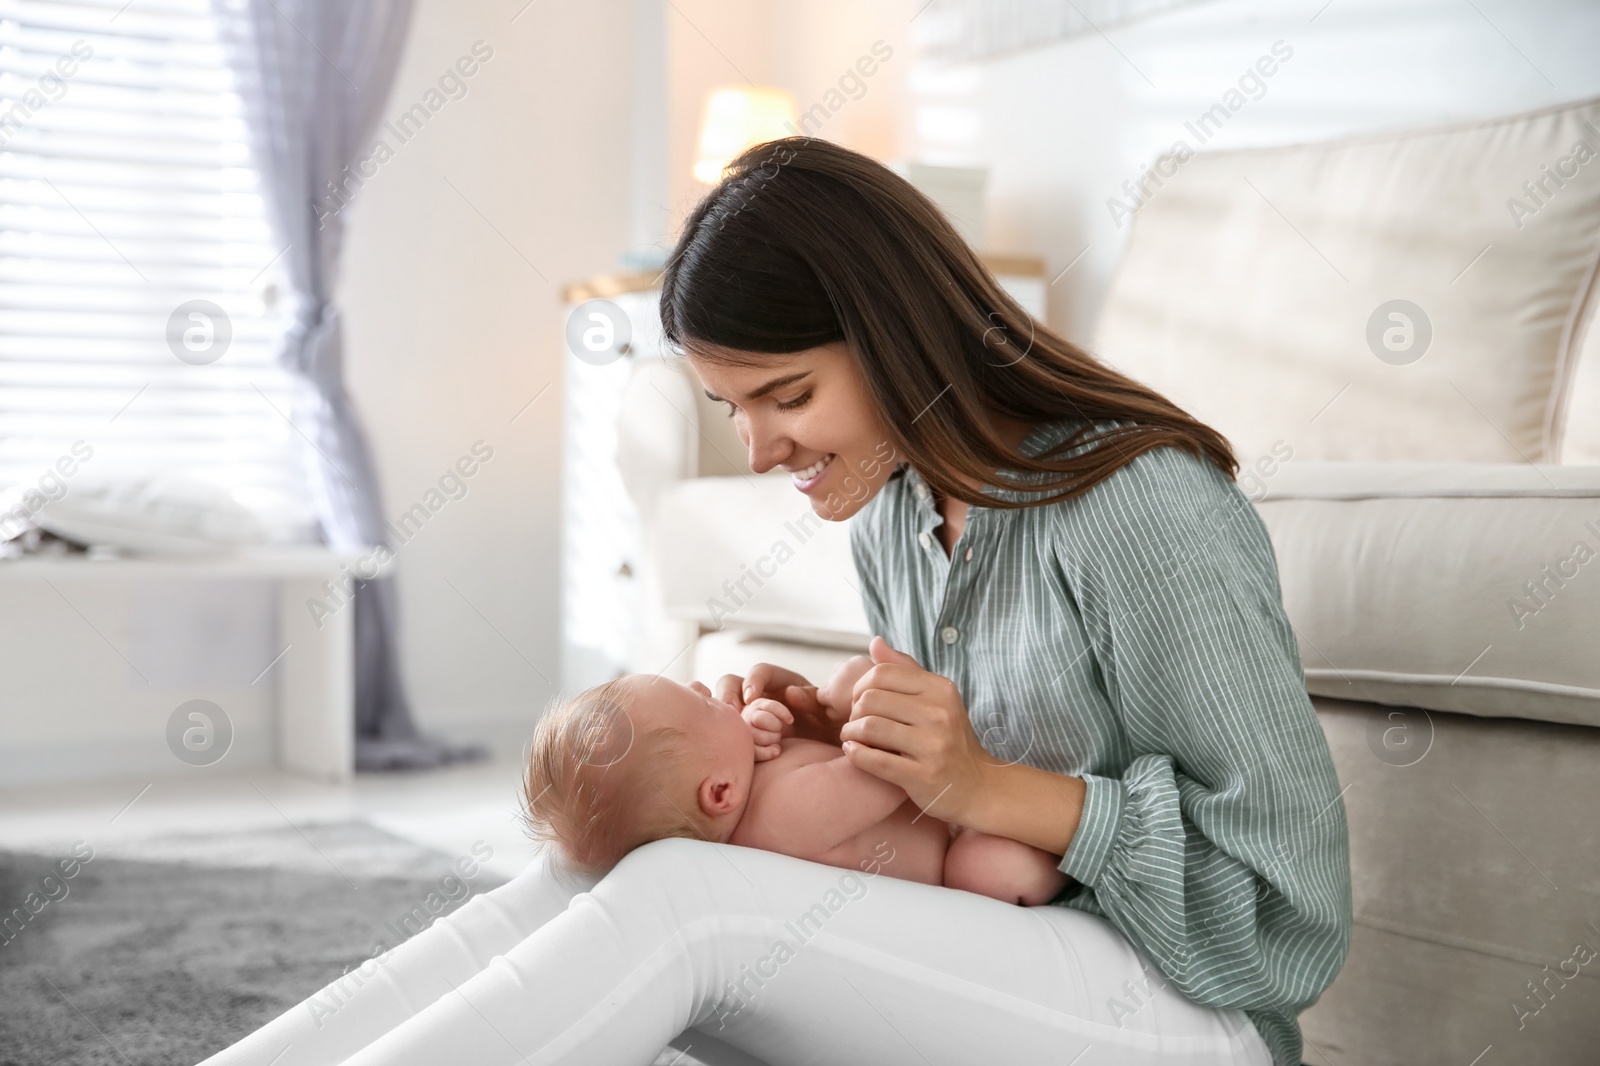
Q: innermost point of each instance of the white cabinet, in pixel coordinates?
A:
(600, 534)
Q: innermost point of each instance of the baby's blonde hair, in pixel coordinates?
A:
(597, 787)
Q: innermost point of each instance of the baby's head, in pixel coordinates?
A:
(633, 760)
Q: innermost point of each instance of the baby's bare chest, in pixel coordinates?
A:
(906, 844)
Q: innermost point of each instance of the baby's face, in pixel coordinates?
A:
(725, 750)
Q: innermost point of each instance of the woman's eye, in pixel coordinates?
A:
(798, 401)
(731, 408)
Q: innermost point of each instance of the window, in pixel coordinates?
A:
(138, 278)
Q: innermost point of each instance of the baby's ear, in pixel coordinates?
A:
(719, 795)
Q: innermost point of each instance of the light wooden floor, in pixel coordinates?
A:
(448, 809)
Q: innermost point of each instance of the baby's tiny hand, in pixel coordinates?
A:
(767, 719)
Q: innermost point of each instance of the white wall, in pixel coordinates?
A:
(802, 47)
(453, 306)
(1062, 126)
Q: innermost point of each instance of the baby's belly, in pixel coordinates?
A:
(907, 844)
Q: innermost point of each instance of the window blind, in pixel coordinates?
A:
(128, 207)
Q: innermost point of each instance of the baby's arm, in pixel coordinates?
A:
(818, 806)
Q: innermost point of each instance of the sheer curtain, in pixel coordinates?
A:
(314, 76)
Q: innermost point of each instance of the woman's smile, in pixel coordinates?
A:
(808, 478)
(808, 413)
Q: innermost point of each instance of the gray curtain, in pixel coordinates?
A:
(314, 76)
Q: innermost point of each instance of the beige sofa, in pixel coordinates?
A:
(1430, 485)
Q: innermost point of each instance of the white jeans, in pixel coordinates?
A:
(790, 961)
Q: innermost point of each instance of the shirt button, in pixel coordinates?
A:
(925, 539)
(922, 491)
(968, 556)
(949, 634)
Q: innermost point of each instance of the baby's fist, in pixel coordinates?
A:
(767, 719)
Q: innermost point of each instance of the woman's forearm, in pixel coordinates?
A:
(1025, 803)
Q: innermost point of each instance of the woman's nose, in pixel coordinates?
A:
(766, 450)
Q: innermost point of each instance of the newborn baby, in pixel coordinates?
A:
(643, 758)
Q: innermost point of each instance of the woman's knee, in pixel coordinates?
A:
(492, 921)
(683, 880)
(675, 867)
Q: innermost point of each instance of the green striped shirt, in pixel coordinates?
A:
(1135, 637)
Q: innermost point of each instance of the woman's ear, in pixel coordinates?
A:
(720, 795)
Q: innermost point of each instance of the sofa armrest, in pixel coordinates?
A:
(749, 552)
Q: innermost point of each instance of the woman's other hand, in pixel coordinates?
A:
(909, 726)
(765, 680)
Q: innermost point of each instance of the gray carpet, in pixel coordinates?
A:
(166, 954)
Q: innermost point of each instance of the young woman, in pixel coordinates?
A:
(1094, 660)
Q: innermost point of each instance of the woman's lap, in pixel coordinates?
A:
(893, 971)
(791, 961)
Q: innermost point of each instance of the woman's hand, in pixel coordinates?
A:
(909, 727)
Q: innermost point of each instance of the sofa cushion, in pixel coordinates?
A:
(1258, 286)
(1456, 587)
(1472, 588)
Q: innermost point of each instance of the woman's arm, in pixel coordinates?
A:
(1221, 849)
(1028, 804)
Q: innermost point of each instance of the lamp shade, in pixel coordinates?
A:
(737, 117)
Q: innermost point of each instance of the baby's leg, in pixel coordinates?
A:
(380, 994)
(1002, 869)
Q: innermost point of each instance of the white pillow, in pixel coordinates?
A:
(153, 516)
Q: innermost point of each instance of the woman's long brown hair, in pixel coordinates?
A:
(805, 243)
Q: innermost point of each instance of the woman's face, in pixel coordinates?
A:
(809, 413)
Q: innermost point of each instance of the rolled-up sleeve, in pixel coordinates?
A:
(1220, 848)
